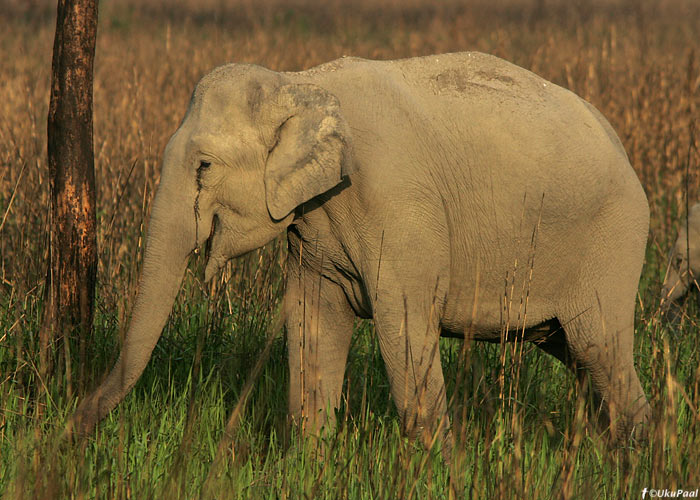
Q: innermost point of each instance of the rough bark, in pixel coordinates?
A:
(72, 243)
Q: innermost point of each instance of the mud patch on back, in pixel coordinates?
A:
(490, 76)
(459, 81)
(452, 80)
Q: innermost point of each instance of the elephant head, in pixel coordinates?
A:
(684, 263)
(252, 147)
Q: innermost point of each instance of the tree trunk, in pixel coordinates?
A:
(70, 286)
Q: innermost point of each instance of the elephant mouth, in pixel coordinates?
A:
(210, 239)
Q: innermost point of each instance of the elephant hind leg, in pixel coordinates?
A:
(599, 336)
(596, 309)
(556, 345)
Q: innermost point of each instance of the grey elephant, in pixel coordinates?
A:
(455, 195)
(683, 271)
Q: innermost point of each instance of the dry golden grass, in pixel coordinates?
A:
(637, 61)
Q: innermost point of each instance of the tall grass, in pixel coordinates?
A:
(522, 427)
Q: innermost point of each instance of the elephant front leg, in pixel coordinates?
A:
(319, 325)
(409, 342)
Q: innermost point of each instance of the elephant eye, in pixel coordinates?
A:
(203, 165)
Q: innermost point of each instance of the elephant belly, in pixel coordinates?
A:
(537, 333)
(493, 316)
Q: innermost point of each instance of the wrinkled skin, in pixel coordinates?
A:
(455, 194)
(683, 271)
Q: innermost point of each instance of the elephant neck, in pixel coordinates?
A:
(319, 231)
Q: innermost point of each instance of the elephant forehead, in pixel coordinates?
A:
(218, 114)
(221, 77)
(219, 137)
(241, 84)
(221, 104)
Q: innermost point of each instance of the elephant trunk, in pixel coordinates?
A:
(171, 237)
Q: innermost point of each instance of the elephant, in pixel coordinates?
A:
(683, 269)
(449, 195)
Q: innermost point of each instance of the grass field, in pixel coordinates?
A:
(522, 427)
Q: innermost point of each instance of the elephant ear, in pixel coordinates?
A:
(311, 150)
